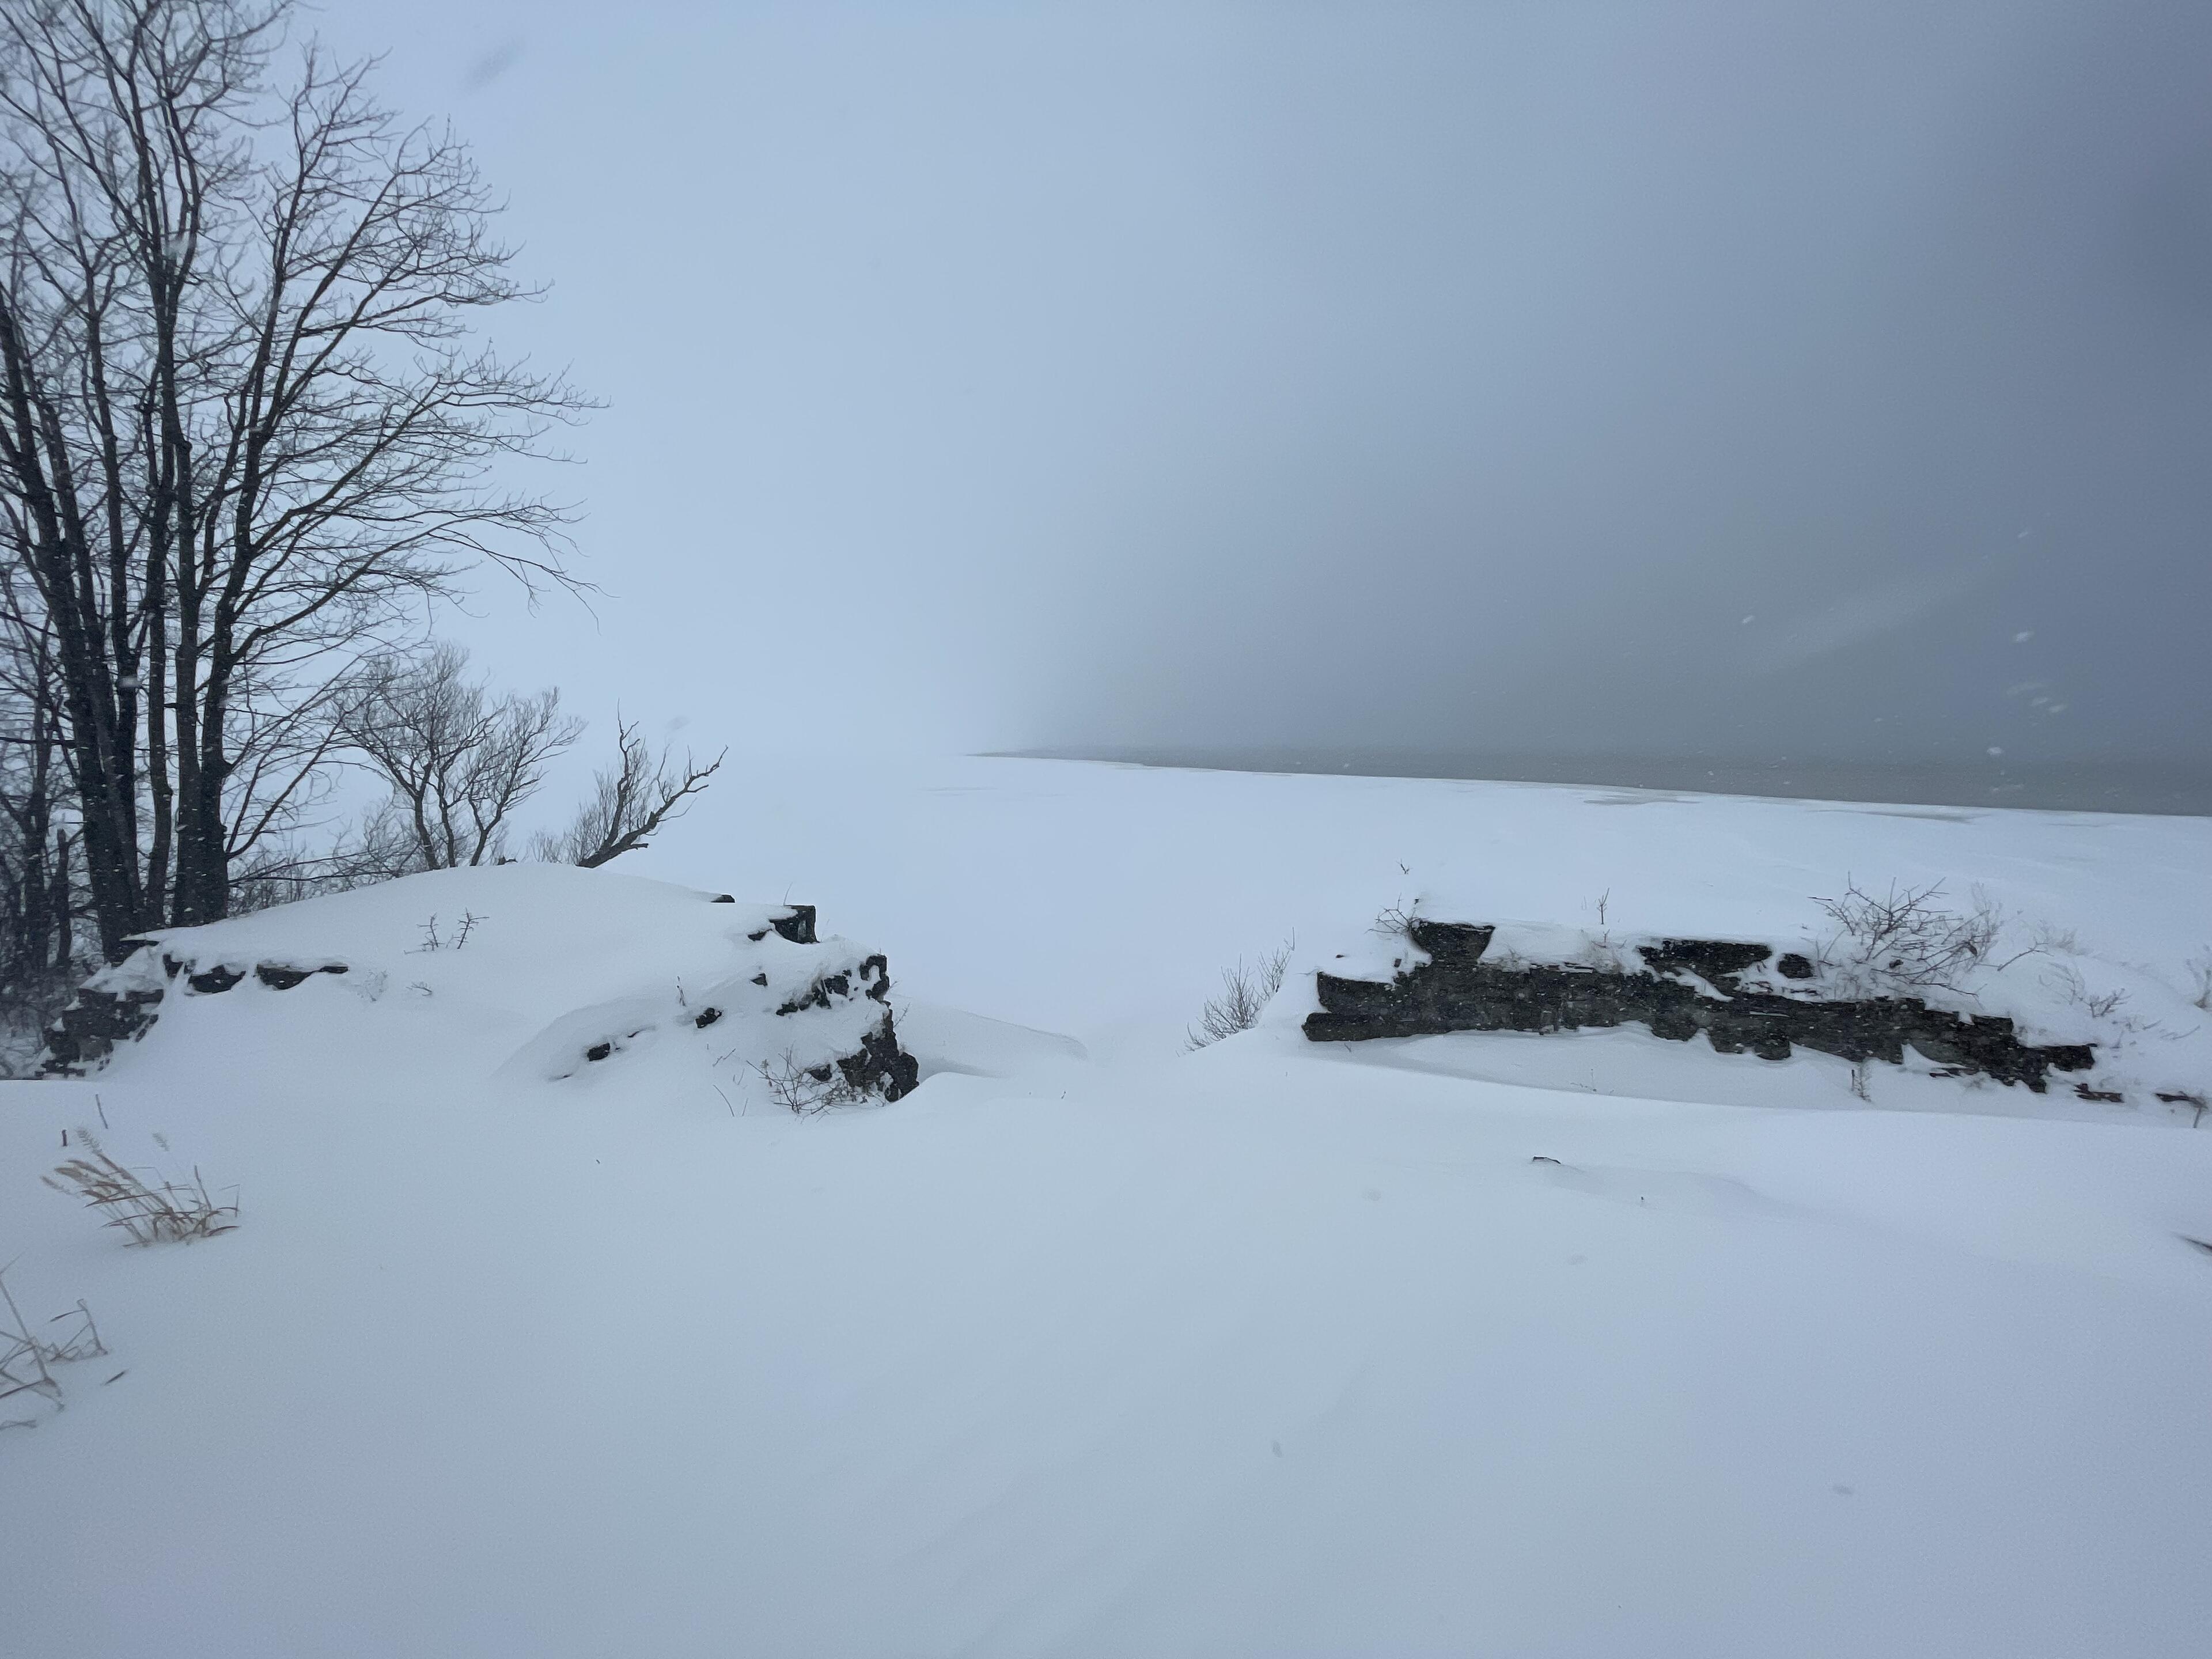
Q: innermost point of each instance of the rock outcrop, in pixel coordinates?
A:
(776, 995)
(1683, 987)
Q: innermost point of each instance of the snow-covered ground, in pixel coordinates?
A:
(1576, 1345)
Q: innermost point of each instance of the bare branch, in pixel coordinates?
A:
(630, 801)
(458, 761)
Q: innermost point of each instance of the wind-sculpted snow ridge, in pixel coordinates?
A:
(2013, 1019)
(529, 974)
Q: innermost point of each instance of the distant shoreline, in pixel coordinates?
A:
(2081, 787)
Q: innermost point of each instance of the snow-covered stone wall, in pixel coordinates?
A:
(1753, 997)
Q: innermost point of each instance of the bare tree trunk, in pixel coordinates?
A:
(245, 430)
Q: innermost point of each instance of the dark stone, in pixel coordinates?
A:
(1456, 991)
(723, 898)
(279, 977)
(598, 1051)
(86, 1032)
(1716, 961)
(216, 979)
(760, 979)
(707, 1016)
(1452, 944)
(797, 926)
(881, 1064)
(817, 994)
(1794, 966)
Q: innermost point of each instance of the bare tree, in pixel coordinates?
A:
(458, 761)
(246, 431)
(629, 802)
(39, 896)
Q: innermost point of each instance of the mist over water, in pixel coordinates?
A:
(1752, 387)
(2153, 786)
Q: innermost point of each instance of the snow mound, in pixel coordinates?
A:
(525, 973)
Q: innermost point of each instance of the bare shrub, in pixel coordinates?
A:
(629, 802)
(804, 1090)
(2105, 1004)
(1603, 944)
(1396, 922)
(1907, 940)
(2200, 972)
(1244, 992)
(457, 940)
(2100, 1005)
(149, 1214)
(26, 1358)
(458, 760)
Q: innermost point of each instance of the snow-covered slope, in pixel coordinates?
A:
(532, 973)
(1100, 1348)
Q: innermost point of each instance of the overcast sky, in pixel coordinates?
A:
(1751, 379)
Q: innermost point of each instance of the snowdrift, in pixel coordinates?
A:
(1573, 1343)
(524, 973)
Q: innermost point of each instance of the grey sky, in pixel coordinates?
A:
(1740, 379)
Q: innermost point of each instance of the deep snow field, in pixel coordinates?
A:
(1092, 1347)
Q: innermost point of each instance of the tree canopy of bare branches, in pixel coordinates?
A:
(630, 800)
(458, 760)
(247, 428)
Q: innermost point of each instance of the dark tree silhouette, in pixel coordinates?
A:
(247, 429)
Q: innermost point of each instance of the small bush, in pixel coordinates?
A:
(1907, 940)
(1244, 992)
(175, 1210)
(457, 941)
(804, 1090)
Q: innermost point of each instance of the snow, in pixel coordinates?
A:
(519, 971)
(1591, 1345)
(2152, 1043)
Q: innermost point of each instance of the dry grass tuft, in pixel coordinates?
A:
(26, 1359)
(179, 1211)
